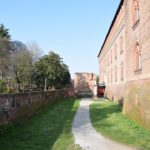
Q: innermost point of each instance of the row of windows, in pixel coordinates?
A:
(114, 52)
(112, 55)
(138, 66)
(137, 58)
(135, 18)
(112, 75)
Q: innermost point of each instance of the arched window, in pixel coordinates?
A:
(122, 72)
(121, 45)
(137, 56)
(115, 51)
(135, 11)
(111, 56)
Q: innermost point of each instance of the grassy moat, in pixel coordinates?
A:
(107, 118)
(48, 130)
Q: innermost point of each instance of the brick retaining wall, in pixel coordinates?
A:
(137, 101)
(135, 96)
(18, 105)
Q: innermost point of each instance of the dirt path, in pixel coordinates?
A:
(86, 136)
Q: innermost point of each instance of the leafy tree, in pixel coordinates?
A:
(21, 64)
(4, 33)
(63, 76)
(5, 50)
(51, 68)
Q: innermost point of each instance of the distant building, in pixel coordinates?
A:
(85, 84)
(124, 59)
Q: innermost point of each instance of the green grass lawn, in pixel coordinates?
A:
(108, 119)
(48, 130)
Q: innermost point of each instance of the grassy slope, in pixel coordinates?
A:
(108, 119)
(50, 129)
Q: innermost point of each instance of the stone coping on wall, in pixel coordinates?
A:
(17, 105)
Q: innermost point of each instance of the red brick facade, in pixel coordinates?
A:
(84, 83)
(126, 53)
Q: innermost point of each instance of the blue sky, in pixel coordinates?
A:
(75, 29)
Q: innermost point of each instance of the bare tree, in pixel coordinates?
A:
(22, 65)
(4, 57)
(35, 50)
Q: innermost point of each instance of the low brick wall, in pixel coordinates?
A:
(137, 101)
(18, 105)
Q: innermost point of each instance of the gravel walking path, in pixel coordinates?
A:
(86, 136)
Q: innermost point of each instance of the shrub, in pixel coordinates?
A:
(3, 86)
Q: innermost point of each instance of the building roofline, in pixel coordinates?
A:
(112, 23)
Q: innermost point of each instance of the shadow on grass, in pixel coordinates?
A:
(108, 119)
(104, 115)
(105, 109)
(41, 131)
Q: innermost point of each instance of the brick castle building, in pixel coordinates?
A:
(124, 59)
(85, 84)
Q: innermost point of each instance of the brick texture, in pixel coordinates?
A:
(134, 87)
(15, 106)
(84, 83)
